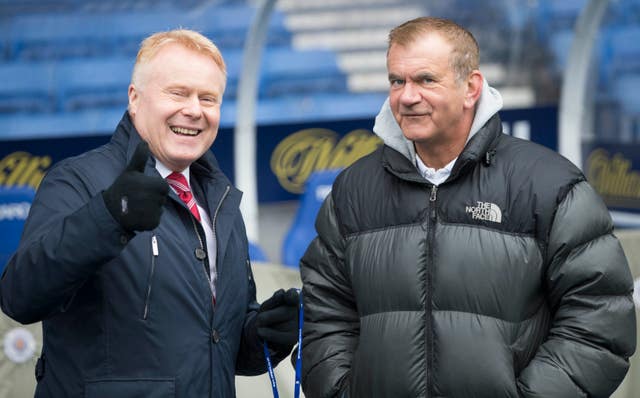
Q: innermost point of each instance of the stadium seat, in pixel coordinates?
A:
(560, 45)
(624, 90)
(26, 87)
(624, 93)
(621, 52)
(555, 15)
(39, 36)
(256, 253)
(285, 71)
(92, 83)
(285, 109)
(303, 230)
(15, 203)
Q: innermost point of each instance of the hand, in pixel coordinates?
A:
(135, 200)
(277, 319)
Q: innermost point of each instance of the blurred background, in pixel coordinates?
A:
(65, 66)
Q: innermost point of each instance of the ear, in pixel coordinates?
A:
(473, 89)
(134, 98)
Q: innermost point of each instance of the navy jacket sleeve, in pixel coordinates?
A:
(251, 360)
(68, 235)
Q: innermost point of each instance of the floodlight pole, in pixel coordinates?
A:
(573, 98)
(244, 148)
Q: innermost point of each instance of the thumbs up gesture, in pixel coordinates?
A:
(135, 200)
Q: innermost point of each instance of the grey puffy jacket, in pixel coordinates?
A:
(504, 281)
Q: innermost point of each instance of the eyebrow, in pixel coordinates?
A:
(425, 75)
(188, 88)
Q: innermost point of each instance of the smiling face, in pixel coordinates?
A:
(175, 104)
(427, 100)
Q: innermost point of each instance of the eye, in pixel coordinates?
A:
(177, 93)
(427, 79)
(396, 82)
(209, 100)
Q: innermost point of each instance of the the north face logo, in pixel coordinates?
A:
(485, 211)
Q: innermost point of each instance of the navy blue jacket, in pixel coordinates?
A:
(117, 320)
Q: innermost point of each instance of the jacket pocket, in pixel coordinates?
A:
(130, 388)
(152, 269)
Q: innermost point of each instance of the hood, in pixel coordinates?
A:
(389, 131)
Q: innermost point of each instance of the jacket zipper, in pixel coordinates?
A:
(154, 255)
(213, 228)
(206, 273)
(213, 224)
(428, 304)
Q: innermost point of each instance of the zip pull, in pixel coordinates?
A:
(434, 190)
(154, 252)
(154, 246)
(432, 199)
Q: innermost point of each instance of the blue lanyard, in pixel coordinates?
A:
(267, 356)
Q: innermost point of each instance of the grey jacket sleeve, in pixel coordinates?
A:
(593, 332)
(331, 322)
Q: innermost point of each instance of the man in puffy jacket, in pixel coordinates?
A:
(144, 285)
(457, 261)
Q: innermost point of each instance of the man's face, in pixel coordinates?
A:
(175, 105)
(425, 98)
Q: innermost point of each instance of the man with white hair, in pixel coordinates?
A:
(135, 256)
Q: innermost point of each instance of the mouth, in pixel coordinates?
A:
(185, 131)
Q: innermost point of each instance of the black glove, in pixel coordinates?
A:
(277, 320)
(135, 200)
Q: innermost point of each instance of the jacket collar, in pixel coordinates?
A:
(215, 187)
(481, 147)
(127, 138)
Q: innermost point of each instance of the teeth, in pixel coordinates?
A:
(183, 131)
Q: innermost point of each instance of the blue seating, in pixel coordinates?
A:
(93, 83)
(560, 45)
(256, 253)
(15, 203)
(625, 90)
(285, 71)
(624, 93)
(303, 230)
(285, 109)
(555, 15)
(69, 85)
(60, 124)
(26, 87)
(621, 53)
(37, 36)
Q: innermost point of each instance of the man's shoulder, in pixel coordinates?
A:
(92, 164)
(361, 170)
(535, 173)
(531, 160)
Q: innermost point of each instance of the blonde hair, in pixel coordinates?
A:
(465, 56)
(187, 38)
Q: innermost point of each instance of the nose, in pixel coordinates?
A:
(409, 94)
(192, 107)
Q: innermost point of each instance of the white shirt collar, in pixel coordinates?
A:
(434, 176)
(165, 171)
